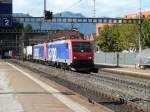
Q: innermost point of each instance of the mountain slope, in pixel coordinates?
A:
(85, 28)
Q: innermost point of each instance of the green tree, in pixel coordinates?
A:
(117, 38)
(16, 27)
(146, 33)
(102, 41)
(129, 35)
(28, 28)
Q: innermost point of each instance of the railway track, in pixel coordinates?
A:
(120, 91)
(127, 89)
(138, 87)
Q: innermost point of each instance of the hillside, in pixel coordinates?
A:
(86, 28)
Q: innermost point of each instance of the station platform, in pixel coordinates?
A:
(131, 71)
(22, 90)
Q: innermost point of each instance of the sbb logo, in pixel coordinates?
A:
(52, 54)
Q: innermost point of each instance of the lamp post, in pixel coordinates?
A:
(140, 25)
(40, 23)
(94, 10)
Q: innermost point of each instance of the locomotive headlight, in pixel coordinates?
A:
(90, 57)
(74, 57)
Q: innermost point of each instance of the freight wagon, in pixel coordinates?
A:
(39, 52)
(28, 53)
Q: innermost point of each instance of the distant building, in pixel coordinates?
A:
(52, 35)
(90, 36)
(143, 14)
(99, 28)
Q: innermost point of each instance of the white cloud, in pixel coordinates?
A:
(28, 7)
(111, 8)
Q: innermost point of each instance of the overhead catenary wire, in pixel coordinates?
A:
(79, 4)
(72, 6)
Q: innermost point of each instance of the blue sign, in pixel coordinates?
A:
(5, 13)
(5, 8)
(5, 21)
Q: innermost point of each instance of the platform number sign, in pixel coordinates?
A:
(6, 21)
(6, 7)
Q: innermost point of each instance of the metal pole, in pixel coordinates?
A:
(94, 11)
(40, 25)
(1, 42)
(44, 15)
(117, 59)
(16, 45)
(140, 25)
(44, 5)
(22, 45)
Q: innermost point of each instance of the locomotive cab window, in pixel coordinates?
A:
(81, 47)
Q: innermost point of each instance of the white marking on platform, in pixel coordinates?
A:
(8, 102)
(76, 107)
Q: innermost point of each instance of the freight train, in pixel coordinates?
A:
(75, 55)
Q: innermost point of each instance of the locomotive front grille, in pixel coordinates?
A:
(83, 64)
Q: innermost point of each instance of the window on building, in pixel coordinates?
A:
(99, 30)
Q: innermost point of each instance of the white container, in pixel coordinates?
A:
(29, 51)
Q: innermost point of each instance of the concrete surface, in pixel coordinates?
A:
(8, 101)
(142, 73)
(25, 91)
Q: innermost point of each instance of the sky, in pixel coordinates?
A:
(104, 8)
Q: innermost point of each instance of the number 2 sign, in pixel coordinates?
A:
(6, 21)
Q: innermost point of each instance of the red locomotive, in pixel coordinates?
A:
(69, 54)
